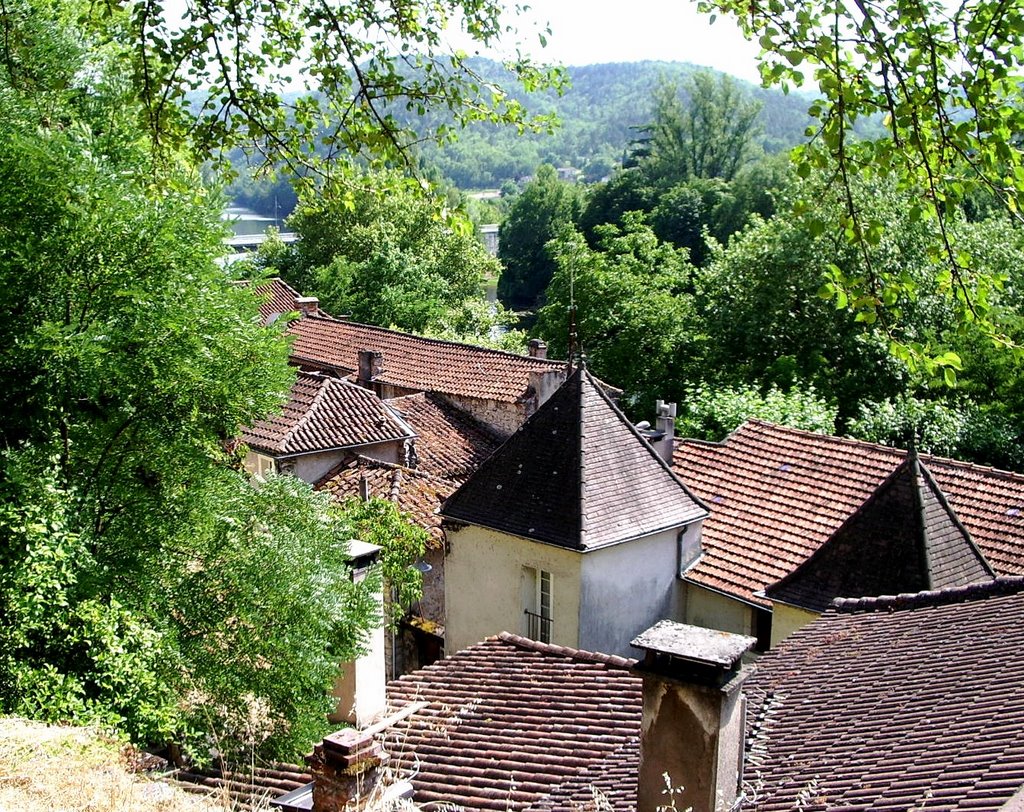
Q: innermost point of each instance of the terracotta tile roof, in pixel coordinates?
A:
(324, 413)
(511, 722)
(776, 495)
(416, 493)
(276, 297)
(914, 702)
(416, 363)
(577, 474)
(905, 538)
(449, 443)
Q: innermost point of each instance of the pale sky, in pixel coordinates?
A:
(585, 32)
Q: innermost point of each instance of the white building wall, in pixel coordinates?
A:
(312, 468)
(483, 586)
(626, 589)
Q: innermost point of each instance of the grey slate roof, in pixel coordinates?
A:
(577, 474)
(904, 538)
(324, 413)
(908, 702)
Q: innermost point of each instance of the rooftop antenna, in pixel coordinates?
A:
(572, 319)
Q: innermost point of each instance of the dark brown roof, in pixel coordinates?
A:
(511, 723)
(449, 443)
(577, 474)
(416, 493)
(905, 538)
(776, 495)
(902, 703)
(324, 413)
(416, 363)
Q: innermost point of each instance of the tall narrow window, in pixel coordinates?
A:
(537, 604)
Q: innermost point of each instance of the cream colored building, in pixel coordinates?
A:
(574, 532)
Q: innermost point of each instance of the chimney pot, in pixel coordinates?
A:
(307, 305)
(665, 426)
(346, 768)
(537, 348)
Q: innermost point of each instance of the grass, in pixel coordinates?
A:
(45, 768)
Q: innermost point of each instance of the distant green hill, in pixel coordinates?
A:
(598, 114)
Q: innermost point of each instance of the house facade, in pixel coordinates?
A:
(572, 532)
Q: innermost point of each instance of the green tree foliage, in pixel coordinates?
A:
(402, 543)
(949, 426)
(210, 76)
(710, 136)
(146, 584)
(385, 253)
(946, 80)
(712, 413)
(537, 215)
(636, 324)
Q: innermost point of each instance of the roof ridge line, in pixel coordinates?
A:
(577, 654)
(902, 452)
(552, 362)
(323, 381)
(1004, 585)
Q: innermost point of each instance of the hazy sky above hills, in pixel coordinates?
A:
(585, 32)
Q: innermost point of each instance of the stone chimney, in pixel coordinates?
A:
(665, 430)
(543, 384)
(371, 364)
(307, 305)
(693, 711)
(346, 769)
(537, 348)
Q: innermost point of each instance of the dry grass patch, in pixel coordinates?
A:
(46, 768)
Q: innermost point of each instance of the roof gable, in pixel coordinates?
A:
(323, 414)
(577, 474)
(449, 443)
(777, 494)
(904, 538)
(892, 704)
(416, 363)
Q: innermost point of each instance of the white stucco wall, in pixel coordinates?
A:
(712, 610)
(626, 589)
(312, 468)
(483, 579)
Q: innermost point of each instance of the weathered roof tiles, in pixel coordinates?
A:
(322, 414)
(776, 495)
(577, 474)
(415, 363)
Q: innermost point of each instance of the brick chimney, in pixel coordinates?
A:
(537, 348)
(307, 305)
(346, 769)
(371, 364)
(692, 725)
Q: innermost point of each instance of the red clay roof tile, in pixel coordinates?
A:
(324, 413)
(776, 494)
(416, 363)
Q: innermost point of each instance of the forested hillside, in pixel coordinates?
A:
(598, 113)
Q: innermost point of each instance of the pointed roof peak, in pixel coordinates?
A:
(577, 474)
(904, 538)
